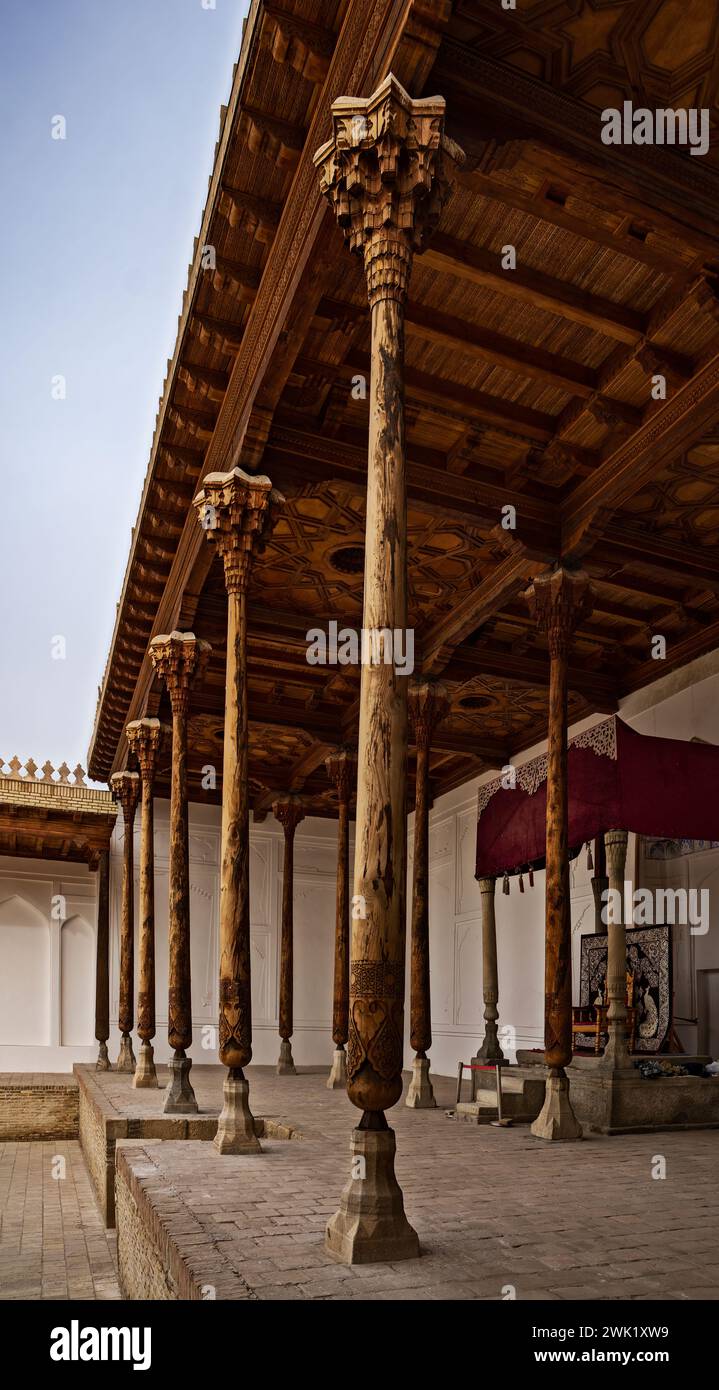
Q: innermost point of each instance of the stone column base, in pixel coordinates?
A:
(370, 1225)
(236, 1126)
(337, 1078)
(145, 1074)
(420, 1095)
(180, 1098)
(103, 1060)
(615, 1060)
(286, 1065)
(490, 1051)
(556, 1119)
(126, 1059)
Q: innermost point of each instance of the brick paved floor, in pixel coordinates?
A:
(496, 1210)
(52, 1240)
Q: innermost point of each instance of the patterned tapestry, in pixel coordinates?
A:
(649, 958)
(674, 849)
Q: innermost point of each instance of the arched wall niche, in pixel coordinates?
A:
(25, 975)
(77, 977)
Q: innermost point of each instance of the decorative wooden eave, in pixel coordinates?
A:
(52, 813)
(528, 386)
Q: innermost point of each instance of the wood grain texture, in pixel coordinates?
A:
(342, 770)
(102, 958)
(125, 787)
(558, 603)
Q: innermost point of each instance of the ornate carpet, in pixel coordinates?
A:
(649, 958)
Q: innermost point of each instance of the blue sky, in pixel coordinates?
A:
(95, 239)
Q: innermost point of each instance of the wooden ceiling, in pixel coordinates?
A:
(530, 387)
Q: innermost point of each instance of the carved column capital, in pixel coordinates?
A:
(147, 738)
(385, 174)
(341, 767)
(615, 847)
(558, 603)
(289, 811)
(428, 703)
(237, 511)
(125, 788)
(179, 658)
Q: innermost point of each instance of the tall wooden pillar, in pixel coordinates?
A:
(341, 769)
(145, 738)
(236, 511)
(102, 962)
(558, 602)
(125, 787)
(179, 659)
(289, 812)
(383, 173)
(616, 1053)
(428, 703)
(490, 1051)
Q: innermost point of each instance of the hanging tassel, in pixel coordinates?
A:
(531, 876)
(505, 884)
(521, 882)
(590, 861)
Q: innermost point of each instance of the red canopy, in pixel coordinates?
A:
(618, 780)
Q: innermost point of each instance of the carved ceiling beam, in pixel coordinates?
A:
(506, 580)
(484, 345)
(203, 381)
(223, 334)
(669, 427)
(305, 47)
(483, 658)
(548, 209)
(477, 266)
(477, 501)
(257, 217)
(525, 106)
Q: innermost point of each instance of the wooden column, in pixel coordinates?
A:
(236, 511)
(102, 962)
(558, 602)
(289, 812)
(146, 738)
(341, 769)
(179, 659)
(490, 1051)
(616, 1053)
(383, 173)
(125, 787)
(428, 703)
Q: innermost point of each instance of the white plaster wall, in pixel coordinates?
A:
(54, 1026)
(47, 965)
(314, 914)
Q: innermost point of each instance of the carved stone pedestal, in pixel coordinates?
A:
(556, 1119)
(420, 1095)
(490, 1051)
(126, 1058)
(236, 1126)
(145, 1074)
(337, 1078)
(286, 1065)
(103, 1061)
(180, 1099)
(371, 1225)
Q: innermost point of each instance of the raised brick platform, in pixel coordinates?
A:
(499, 1213)
(111, 1109)
(38, 1105)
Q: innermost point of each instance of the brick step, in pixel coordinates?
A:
(522, 1097)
